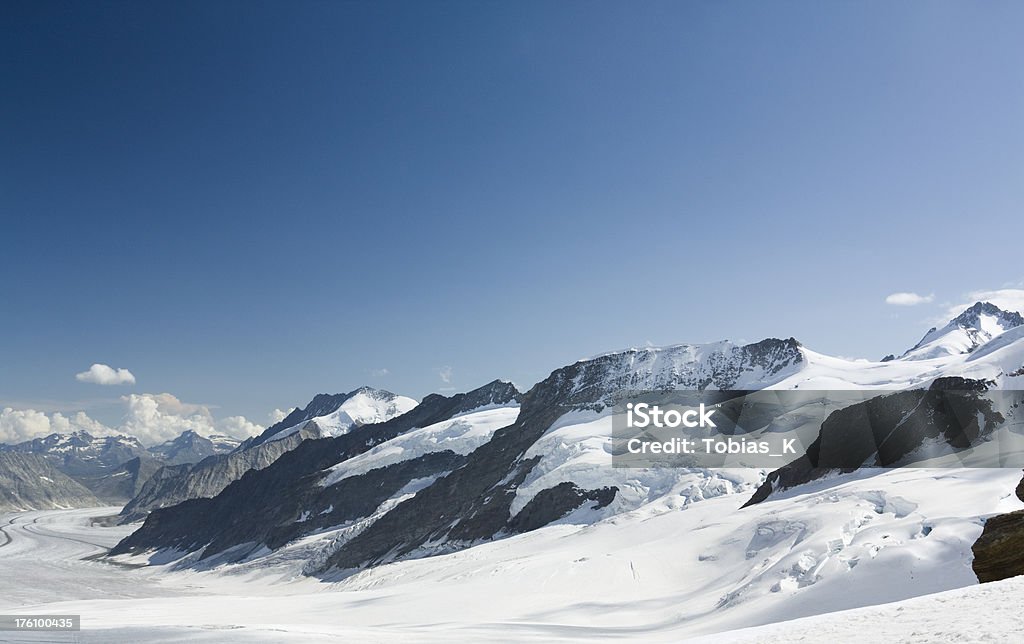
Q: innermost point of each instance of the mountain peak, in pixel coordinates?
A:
(972, 328)
(192, 447)
(331, 413)
(972, 317)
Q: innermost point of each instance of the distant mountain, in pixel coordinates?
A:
(81, 454)
(287, 499)
(175, 484)
(115, 468)
(190, 447)
(966, 332)
(325, 415)
(125, 481)
(335, 414)
(446, 475)
(31, 482)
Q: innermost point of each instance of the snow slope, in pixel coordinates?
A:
(363, 407)
(461, 435)
(667, 571)
(963, 334)
(988, 613)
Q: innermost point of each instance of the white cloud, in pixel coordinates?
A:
(445, 374)
(79, 421)
(278, 415)
(380, 373)
(908, 299)
(238, 427)
(101, 374)
(152, 418)
(19, 425)
(155, 418)
(1008, 299)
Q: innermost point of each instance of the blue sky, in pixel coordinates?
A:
(246, 203)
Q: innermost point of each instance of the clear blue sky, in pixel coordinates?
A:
(246, 203)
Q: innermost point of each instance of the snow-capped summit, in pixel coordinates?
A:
(965, 333)
(333, 415)
(363, 406)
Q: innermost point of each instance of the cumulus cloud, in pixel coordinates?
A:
(156, 418)
(238, 427)
(79, 421)
(152, 418)
(278, 415)
(445, 374)
(19, 425)
(908, 299)
(101, 374)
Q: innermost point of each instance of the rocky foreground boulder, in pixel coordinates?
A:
(999, 551)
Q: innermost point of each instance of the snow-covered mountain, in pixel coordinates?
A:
(965, 333)
(325, 415)
(289, 494)
(430, 481)
(333, 415)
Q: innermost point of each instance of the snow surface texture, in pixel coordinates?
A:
(989, 613)
(668, 571)
(461, 435)
(672, 557)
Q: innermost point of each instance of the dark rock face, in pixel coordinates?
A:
(594, 383)
(177, 483)
(884, 430)
(98, 463)
(469, 504)
(972, 316)
(556, 502)
(31, 482)
(124, 482)
(285, 500)
(189, 447)
(81, 454)
(999, 551)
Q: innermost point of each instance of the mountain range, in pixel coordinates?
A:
(352, 482)
(113, 469)
(455, 472)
